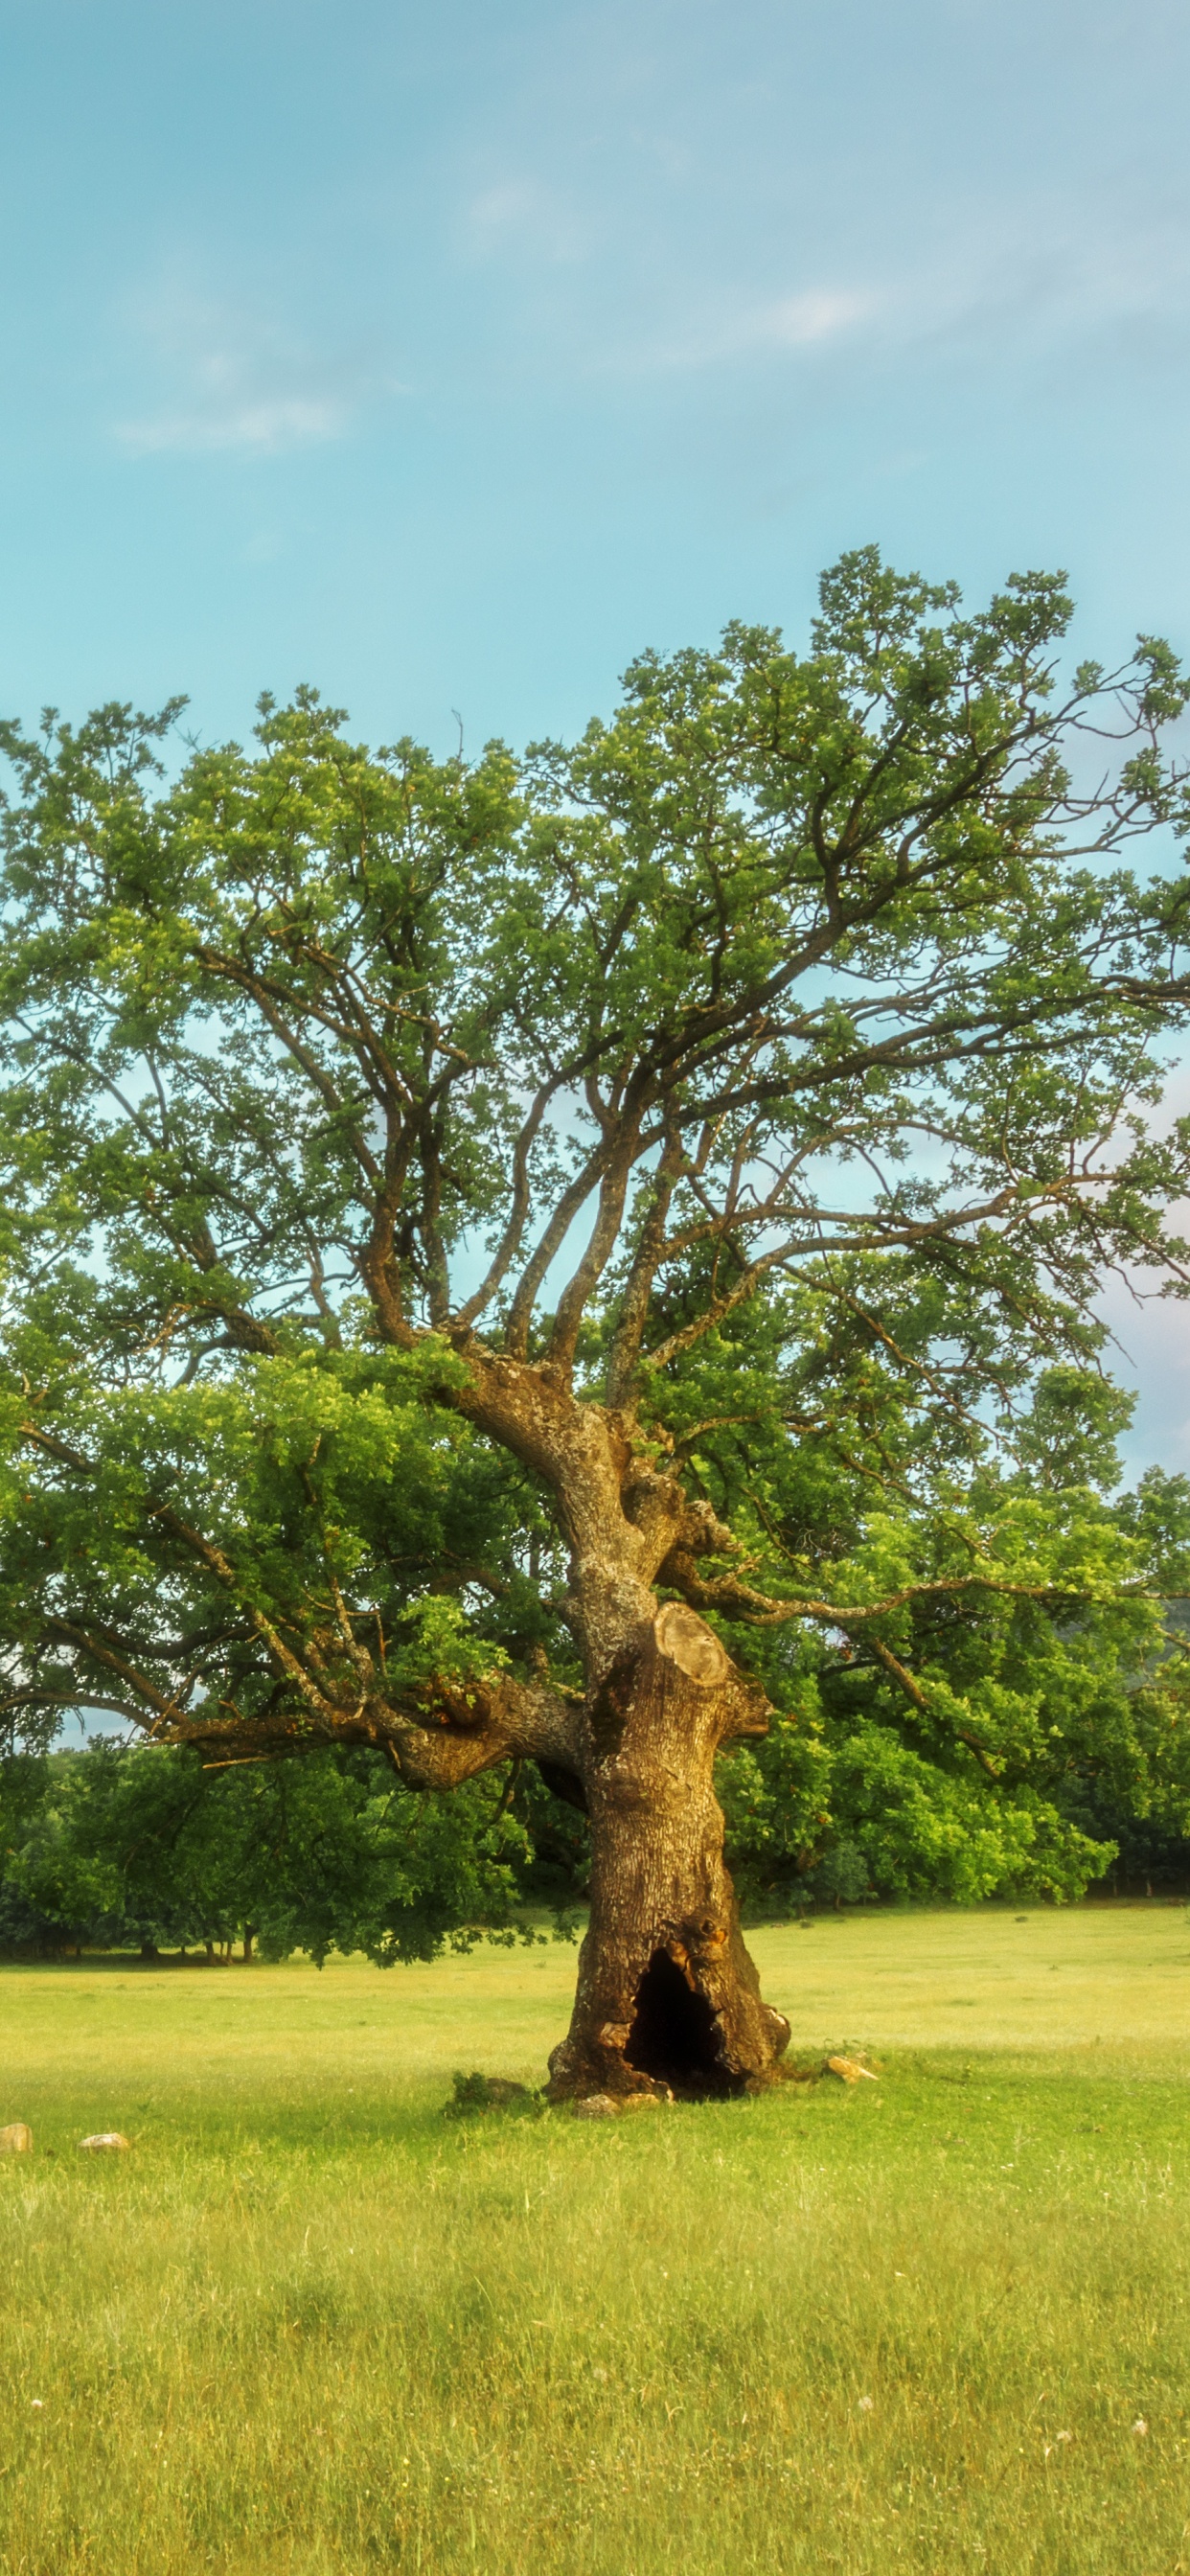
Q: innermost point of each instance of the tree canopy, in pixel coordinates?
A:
(443, 1197)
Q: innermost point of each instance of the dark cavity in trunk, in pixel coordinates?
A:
(675, 2036)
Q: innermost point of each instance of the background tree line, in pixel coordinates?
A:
(140, 1846)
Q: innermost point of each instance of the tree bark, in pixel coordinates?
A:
(668, 1998)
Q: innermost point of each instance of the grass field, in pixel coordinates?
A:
(309, 2326)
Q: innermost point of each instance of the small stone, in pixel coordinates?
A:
(850, 2070)
(595, 2106)
(105, 2142)
(16, 2139)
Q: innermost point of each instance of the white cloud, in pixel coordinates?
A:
(1057, 283)
(525, 218)
(1050, 284)
(802, 321)
(229, 380)
(799, 321)
(262, 425)
(775, 326)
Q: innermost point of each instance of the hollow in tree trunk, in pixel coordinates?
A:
(668, 1997)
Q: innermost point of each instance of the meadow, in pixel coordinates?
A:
(309, 2327)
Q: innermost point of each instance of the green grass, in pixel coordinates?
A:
(310, 2326)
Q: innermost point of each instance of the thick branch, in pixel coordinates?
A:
(634, 1304)
(737, 1600)
(447, 1735)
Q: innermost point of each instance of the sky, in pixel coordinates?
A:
(447, 358)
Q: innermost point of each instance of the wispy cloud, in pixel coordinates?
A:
(782, 322)
(263, 425)
(1054, 286)
(525, 218)
(226, 379)
(1043, 286)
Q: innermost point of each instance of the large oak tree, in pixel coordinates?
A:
(454, 1210)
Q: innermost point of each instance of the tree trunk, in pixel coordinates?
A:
(667, 1994)
(668, 1997)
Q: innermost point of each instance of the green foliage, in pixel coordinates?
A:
(818, 987)
(1019, 1708)
(475, 2093)
(117, 1846)
(313, 1479)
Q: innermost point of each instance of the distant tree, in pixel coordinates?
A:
(499, 1255)
(1048, 1735)
(142, 1846)
(22, 1793)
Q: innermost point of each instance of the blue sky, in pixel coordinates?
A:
(447, 357)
